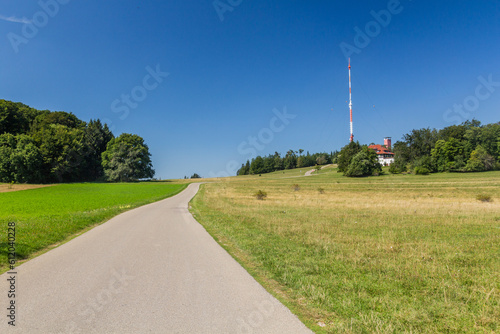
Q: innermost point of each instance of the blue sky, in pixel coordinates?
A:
(234, 65)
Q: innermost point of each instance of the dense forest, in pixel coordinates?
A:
(468, 147)
(40, 146)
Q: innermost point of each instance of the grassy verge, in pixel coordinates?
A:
(48, 216)
(392, 254)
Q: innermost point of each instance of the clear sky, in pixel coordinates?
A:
(208, 83)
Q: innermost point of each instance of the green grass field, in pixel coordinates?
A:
(48, 216)
(389, 254)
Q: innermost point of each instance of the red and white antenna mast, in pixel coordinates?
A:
(350, 98)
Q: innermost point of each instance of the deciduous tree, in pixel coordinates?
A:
(364, 163)
(127, 158)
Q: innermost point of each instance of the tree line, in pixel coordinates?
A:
(468, 147)
(40, 146)
(292, 159)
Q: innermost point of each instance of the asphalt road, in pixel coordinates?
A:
(153, 269)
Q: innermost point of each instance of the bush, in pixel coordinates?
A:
(423, 163)
(260, 195)
(421, 170)
(394, 169)
(296, 187)
(484, 198)
(399, 166)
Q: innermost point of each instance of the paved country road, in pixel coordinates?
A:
(153, 269)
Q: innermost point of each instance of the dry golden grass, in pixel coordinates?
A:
(415, 254)
(7, 187)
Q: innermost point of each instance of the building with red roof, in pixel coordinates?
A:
(385, 155)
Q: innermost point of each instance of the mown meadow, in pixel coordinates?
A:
(387, 254)
(47, 216)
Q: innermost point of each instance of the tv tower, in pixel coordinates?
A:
(350, 99)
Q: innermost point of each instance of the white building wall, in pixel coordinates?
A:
(385, 161)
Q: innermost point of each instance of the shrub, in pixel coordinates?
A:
(296, 187)
(419, 170)
(484, 198)
(394, 169)
(260, 195)
(425, 162)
